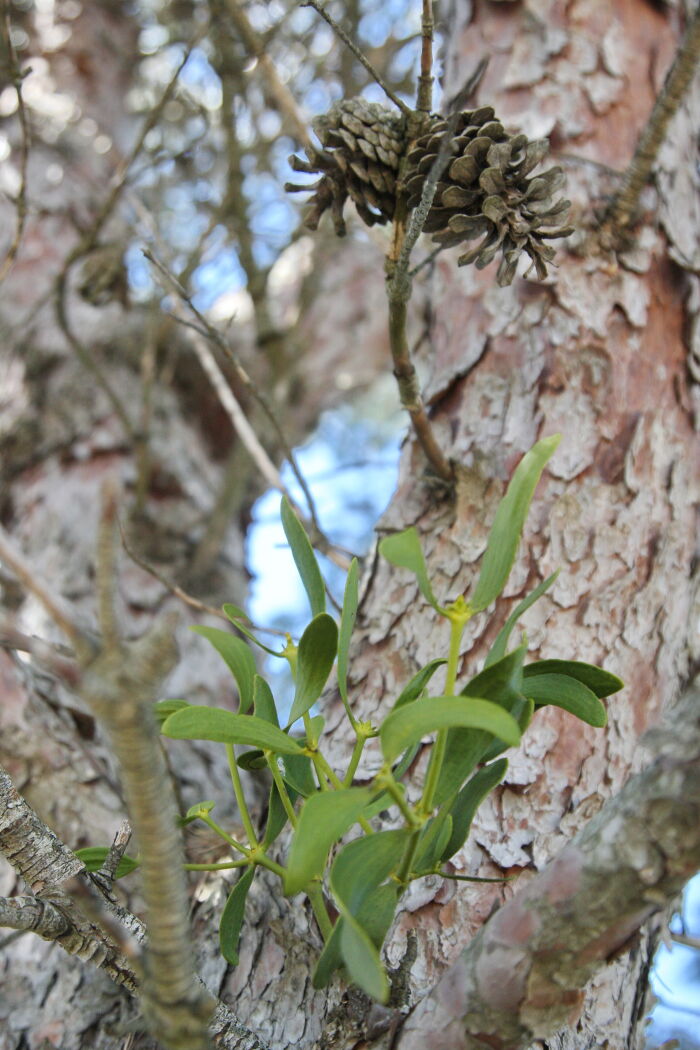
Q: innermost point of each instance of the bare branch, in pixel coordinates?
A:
(425, 80)
(53, 605)
(624, 206)
(349, 43)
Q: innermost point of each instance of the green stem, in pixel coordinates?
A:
(224, 835)
(320, 762)
(217, 867)
(240, 797)
(387, 782)
(281, 788)
(355, 760)
(271, 865)
(315, 895)
(403, 874)
(459, 617)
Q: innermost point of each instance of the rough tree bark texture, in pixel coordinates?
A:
(599, 352)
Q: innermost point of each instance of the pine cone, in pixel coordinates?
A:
(485, 190)
(363, 143)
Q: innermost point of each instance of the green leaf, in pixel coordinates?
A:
(317, 649)
(238, 657)
(403, 549)
(569, 694)
(213, 723)
(357, 872)
(418, 683)
(298, 774)
(600, 682)
(431, 844)
(236, 616)
(276, 814)
(364, 864)
(199, 809)
(164, 708)
(324, 818)
(522, 712)
(499, 647)
(304, 558)
(374, 916)
(508, 524)
(232, 918)
(362, 960)
(347, 622)
(264, 701)
(252, 761)
(410, 723)
(93, 857)
(466, 803)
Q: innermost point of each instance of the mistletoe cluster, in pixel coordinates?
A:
(474, 722)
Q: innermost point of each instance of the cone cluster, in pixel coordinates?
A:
(486, 191)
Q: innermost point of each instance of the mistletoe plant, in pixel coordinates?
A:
(474, 723)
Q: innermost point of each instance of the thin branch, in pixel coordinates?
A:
(689, 942)
(286, 104)
(59, 660)
(399, 286)
(21, 199)
(230, 403)
(425, 81)
(624, 206)
(53, 605)
(350, 43)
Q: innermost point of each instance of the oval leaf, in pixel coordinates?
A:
(466, 803)
(238, 657)
(416, 720)
(213, 723)
(298, 774)
(347, 622)
(252, 761)
(304, 558)
(315, 656)
(508, 524)
(232, 918)
(264, 701)
(567, 693)
(324, 818)
(374, 916)
(600, 682)
(93, 857)
(362, 960)
(403, 549)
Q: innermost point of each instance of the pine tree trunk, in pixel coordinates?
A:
(599, 352)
